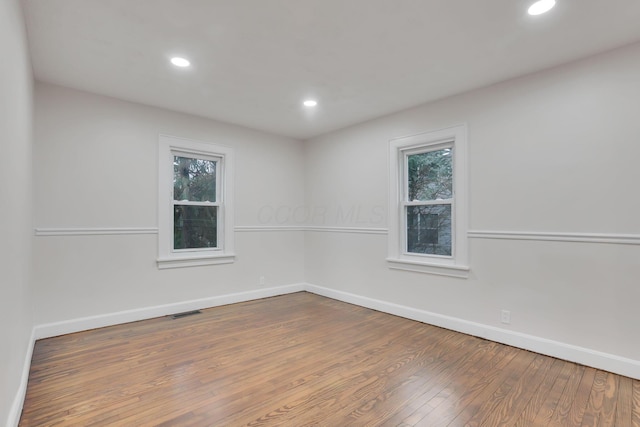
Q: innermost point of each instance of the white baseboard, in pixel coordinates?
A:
(596, 359)
(15, 411)
(85, 323)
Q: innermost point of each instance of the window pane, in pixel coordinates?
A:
(430, 175)
(195, 227)
(429, 229)
(194, 179)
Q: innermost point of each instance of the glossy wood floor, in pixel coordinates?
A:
(304, 360)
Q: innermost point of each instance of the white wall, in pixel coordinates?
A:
(96, 167)
(16, 213)
(556, 151)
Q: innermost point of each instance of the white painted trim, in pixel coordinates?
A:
(620, 239)
(261, 228)
(458, 271)
(15, 411)
(584, 356)
(85, 323)
(313, 228)
(98, 231)
(350, 230)
(195, 260)
(94, 231)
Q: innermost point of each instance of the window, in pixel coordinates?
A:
(195, 203)
(428, 221)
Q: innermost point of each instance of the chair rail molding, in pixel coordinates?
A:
(612, 238)
(93, 231)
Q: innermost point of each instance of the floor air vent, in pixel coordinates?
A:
(185, 314)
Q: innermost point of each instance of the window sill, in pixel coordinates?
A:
(458, 271)
(194, 260)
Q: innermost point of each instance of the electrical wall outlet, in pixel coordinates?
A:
(262, 280)
(505, 317)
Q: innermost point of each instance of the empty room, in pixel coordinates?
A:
(320, 213)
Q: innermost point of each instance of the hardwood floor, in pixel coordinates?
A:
(304, 360)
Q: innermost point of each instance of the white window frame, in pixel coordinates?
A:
(168, 257)
(456, 265)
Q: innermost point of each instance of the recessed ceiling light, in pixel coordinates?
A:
(310, 103)
(541, 6)
(180, 62)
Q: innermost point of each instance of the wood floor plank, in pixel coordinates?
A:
(548, 408)
(428, 380)
(509, 409)
(234, 402)
(526, 417)
(486, 355)
(624, 404)
(330, 395)
(491, 401)
(561, 413)
(596, 400)
(305, 360)
(462, 393)
(590, 380)
(635, 417)
(483, 400)
(310, 375)
(449, 404)
(609, 402)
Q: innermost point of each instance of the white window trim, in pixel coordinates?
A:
(224, 253)
(456, 265)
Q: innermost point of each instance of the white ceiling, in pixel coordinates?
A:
(254, 61)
